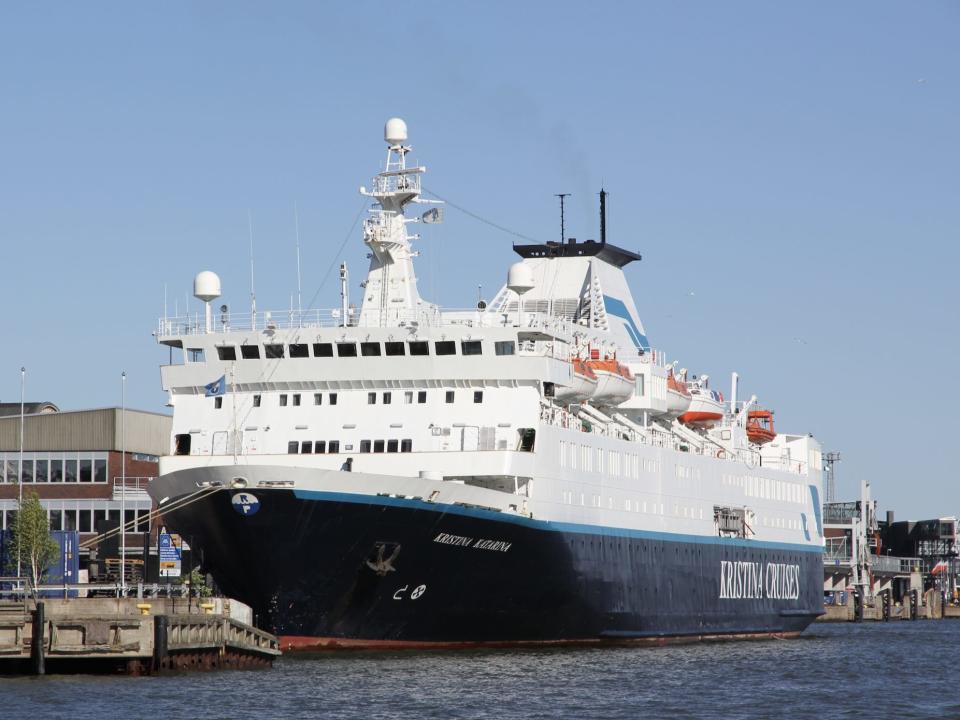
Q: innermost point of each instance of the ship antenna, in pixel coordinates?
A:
(603, 216)
(296, 220)
(253, 295)
(563, 232)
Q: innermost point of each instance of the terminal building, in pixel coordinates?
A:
(74, 462)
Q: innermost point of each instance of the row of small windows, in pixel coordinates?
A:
(52, 469)
(349, 349)
(80, 516)
(321, 447)
(296, 399)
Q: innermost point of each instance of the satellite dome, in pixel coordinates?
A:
(206, 286)
(395, 131)
(520, 278)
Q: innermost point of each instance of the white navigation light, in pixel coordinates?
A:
(206, 286)
(520, 278)
(395, 131)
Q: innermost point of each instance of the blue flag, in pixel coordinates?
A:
(217, 387)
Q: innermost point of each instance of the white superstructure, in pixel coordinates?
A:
(404, 399)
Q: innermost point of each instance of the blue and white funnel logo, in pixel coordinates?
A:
(246, 503)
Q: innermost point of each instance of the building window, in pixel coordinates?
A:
(292, 447)
(408, 397)
(42, 471)
(70, 470)
(478, 396)
(100, 471)
(419, 347)
(370, 349)
(449, 396)
(471, 347)
(445, 347)
(227, 352)
(406, 445)
(306, 447)
(273, 352)
(333, 398)
(393, 445)
(283, 400)
(296, 399)
(346, 349)
(393, 348)
(334, 447)
(250, 352)
(86, 471)
(387, 397)
(421, 397)
(218, 402)
(371, 398)
(299, 350)
(256, 400)
(378, 446)
(318, 398)
(364, 446)
(505, 347)
(56, 471)
(320, 447)
(323, 350)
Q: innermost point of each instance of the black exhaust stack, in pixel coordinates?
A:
(603, 216)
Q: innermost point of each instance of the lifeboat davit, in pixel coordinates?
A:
(678, 396)
(583, 384)
(706, 406)
(760, 426)
(614, 382)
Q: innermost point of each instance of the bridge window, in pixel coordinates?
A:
(346, 349)
(306, 447)
(292, 447)
(370, 349)
(227, 352)
(505, 347)
(419, 347)
(406, 445)
(393, 348)
(378, 446)
(445, 347)
(471, 347)
(250, 352)
(195, 355)
(320, 447)
(273, 351)
(364, 446)
(392, 445)
(323, 350)
(334, 447)
(299, 350)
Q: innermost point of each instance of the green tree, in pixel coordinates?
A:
(32, 543)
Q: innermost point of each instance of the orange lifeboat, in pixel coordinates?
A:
(678, 396)
(760, 426)
(706, 406)
(582, 386)
(614, 382)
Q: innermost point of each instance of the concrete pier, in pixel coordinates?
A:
(129, 635)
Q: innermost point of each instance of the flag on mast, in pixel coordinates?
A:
(217, 387)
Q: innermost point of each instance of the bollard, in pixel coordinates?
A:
(37, 664)
(159, 642)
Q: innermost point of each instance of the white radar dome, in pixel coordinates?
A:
(395, 131)
(520, 278)
(206, 286)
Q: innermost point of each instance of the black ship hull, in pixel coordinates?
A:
(331, 569)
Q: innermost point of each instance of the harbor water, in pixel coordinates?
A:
(896, 670)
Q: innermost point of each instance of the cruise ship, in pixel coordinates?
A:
(388, 473)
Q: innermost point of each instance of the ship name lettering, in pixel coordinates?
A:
(740, 580)
(498, 545)
(447, 539)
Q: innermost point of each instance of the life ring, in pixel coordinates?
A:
(721, 454)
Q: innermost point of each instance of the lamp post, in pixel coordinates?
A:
(23, 383)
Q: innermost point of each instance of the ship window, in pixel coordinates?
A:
(378, 446)
(256, 401)
(181, 446)
(408, 397)
(364, 446)
(478, 396)
(334, 447)
(195, 355)
(449, 396)
(393, 348)
(292, 447)
(421, 397)
(387, 397)
(504, 347)
(318, 398)
(419, 347)
(406, 445)
(346, 349)
(306, 447)
(273, 352)
(299, 350)
(283, 400)
(471, 347)
(250, 352)
(371, 398)
(638, 385)
(370, 349)
(392, 445)
(445, 347)
(296, 399)
(227, 352)
(320, 447)
(218, 402)
(527, 439)
(333, 398)
(323, 350)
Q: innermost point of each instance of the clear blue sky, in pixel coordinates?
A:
(789, 173)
